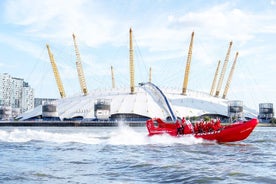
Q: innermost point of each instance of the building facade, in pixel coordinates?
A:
(27, 97)
(5, 89)
(16, 94)
(266, 112)
(42, 101)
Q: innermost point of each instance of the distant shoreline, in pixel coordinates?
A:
(266, 125)
(86, 124)
(70, 123)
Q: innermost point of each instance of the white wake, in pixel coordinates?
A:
(122, 135)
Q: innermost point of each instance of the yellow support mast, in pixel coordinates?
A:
(56, 73)
(131, 62)
(112, 78)
(215, 80)
(79, 68)
(188, 63)
(223, 70)
(230, 77)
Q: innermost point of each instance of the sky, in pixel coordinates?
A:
(161, 36)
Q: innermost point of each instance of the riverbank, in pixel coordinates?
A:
(71, 123)
(87, 124)
(266, 125)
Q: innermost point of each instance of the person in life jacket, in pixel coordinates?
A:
(184, 127)
(180, 127)
(217, 125)
(188, 128)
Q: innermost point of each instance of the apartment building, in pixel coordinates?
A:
(16, 94)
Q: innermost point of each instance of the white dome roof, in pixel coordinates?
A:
(140, 103)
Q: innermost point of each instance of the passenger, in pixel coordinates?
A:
(196, 128)
(183, 123)
(180, 128)
(199, 127)
(189, 128)
(217, 125)
(210, 126)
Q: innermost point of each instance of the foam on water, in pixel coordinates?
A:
(123, 135)
(26, 135)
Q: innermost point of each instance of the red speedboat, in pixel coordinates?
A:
(211, 130)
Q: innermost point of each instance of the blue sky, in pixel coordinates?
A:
(161, 32)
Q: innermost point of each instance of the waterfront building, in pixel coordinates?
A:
(27, 97)
(118, 104)
(5, 89)
(266, 112)
(41, 101)
(16, 94)
(137, 103)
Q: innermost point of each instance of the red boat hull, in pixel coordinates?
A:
(230, 133)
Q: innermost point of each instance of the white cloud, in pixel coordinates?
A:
(20, 44)
(59, 19)
(220, 22)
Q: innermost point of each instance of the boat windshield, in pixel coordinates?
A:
(159, 98)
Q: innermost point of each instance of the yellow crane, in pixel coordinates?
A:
(112, 77)
(131, 62)
(230, 77)
(79, 68)
(215, 80)
(223, 70)
(56, 73)
(188, 63)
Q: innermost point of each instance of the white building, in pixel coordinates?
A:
(138, 106)
(5, 89)
(27, 97)
(15, 93)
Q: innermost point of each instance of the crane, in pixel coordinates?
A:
(215, 80)
(230, 77)
(56, 73)
(79, 68)
(188, 63)
(223, 70)
(131, 63)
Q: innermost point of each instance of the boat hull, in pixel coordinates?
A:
(230, 133)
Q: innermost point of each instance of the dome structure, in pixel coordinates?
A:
(138, 106)
(138, 103)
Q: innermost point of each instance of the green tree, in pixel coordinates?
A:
(207, 118)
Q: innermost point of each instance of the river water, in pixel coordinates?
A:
(127, 155)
